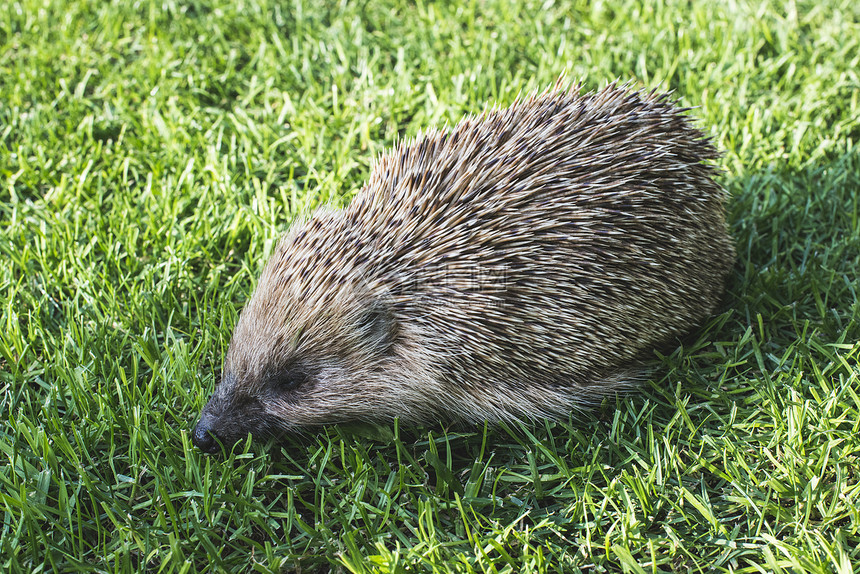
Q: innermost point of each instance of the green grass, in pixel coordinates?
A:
(152, 152)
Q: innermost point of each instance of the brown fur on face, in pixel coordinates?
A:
(512, 268)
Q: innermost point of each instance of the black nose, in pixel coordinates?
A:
(203, 438)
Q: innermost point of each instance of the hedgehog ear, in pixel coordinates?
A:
(378, 326)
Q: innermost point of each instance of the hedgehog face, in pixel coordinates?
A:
(297, 363)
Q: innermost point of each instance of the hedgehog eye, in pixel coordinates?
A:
(289, 379)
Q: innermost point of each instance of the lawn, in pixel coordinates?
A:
(151, 153)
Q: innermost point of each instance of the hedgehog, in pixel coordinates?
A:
(516, 267)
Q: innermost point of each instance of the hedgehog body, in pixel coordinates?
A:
(514, 267)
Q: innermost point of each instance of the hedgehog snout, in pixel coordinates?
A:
(228, 417)
(204, 437)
